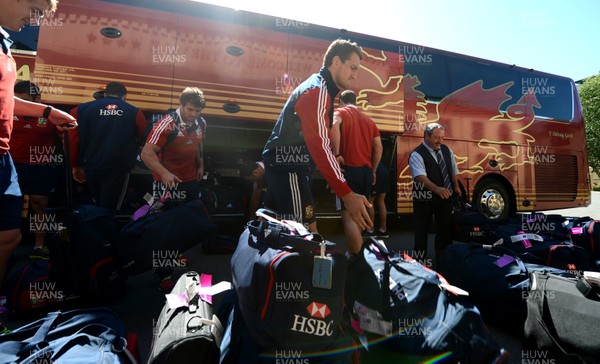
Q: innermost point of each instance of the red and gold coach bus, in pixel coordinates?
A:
(518, 134)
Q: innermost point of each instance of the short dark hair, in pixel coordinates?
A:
(27, 87)
(342, 48)
(348, 97)
(116, 89)
(430, 128)
(194, 96)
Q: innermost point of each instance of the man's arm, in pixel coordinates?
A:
(57, 117)
(141, 125)
(336, 136)
(376, 156)
(200, 161)
(315, 129)
(150, 157)
(454, 177)
(73, 135)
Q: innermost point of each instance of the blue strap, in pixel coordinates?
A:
(40, 335)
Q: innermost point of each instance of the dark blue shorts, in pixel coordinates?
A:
(289, 195)
(11, 199)
(382, 182)
(359, 179)
(36, 179)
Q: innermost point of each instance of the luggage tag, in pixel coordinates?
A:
(504, 261)
(322, 269)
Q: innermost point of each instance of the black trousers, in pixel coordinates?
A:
(423, 212)
(107, 187)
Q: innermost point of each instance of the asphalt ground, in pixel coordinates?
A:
(140, 306)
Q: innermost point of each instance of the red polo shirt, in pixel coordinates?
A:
(358, 132)
(179, 156)
(33, 140)
(8, 76)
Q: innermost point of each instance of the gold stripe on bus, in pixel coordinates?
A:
(186, 82)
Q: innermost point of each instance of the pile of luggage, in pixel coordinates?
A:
(535, 275)
(296, 298)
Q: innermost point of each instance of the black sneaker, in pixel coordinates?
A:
(382, 234)
(368, 234)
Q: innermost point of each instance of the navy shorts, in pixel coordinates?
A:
(359, 179)
(11, 199)
(382, 182)
(289, 195)
(37, 179)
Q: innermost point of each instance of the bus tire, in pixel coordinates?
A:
(493, 200)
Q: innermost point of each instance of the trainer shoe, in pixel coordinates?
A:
(366, 234)
(166, 284)
(40, 252)
(382, 234)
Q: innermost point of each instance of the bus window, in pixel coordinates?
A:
(554, 94)
(431, 69)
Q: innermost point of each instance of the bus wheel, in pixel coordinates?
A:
(493, 200)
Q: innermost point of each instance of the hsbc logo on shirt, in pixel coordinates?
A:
(314, 325)
(111, 110)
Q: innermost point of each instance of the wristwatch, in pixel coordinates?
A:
(47, 111)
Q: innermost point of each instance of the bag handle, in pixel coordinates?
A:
(39, 336)
(278, 237)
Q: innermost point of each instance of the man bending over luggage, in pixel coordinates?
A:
(173, 152)
(300, 141)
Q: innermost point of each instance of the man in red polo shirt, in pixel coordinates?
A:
(356, 144)
(173, 152)
(14, 15)
(173, 149)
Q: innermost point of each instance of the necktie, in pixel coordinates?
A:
(442, 163)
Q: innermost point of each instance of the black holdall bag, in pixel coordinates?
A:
(187, 330)
(470, 226)
(290, 286)
(414, 310)
(163, 235)
(562, 317)
(496, 279)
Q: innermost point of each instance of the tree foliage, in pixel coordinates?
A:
(589, 93)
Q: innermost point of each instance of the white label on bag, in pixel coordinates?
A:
(322, 272)
(370, 320)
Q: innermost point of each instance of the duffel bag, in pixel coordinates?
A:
(187, 329)
(497, 281)
(586, 234)
(562, 318)
(81, 336)
(290, 286)
(470, 226)
(414, 309)
(163, 235)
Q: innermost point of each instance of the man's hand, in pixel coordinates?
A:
(199, 174)
(356, 205)
(444, 193)
(78, 174)
(169, 179)
(62, 120)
